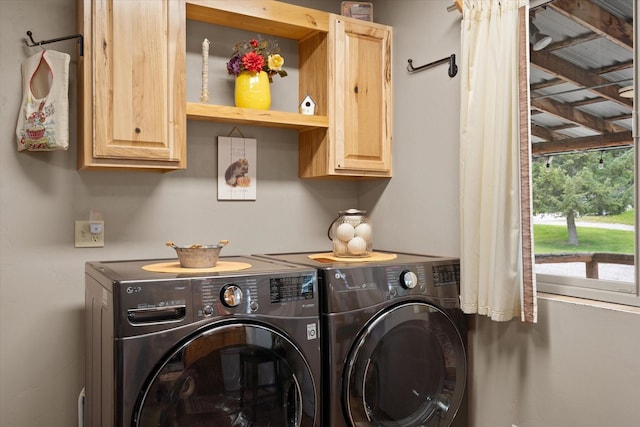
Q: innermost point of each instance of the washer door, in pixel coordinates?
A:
(408, 368)
(235, 375)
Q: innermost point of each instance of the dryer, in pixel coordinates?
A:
(393, 340)
(191, 348)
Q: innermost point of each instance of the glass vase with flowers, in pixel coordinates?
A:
(254, 63)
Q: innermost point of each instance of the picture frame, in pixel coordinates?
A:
(237, 168)
(358, 10)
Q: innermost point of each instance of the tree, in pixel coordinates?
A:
(574, 185)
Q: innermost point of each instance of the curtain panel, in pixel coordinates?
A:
(497, 261)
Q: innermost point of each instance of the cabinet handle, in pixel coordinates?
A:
(355, 89)
(138, 130)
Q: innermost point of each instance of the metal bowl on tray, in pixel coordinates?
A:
(198, 256)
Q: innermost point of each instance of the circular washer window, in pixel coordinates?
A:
(234, 374)
(408, 368)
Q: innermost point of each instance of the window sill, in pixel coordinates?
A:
(607, 300)
(589, 303)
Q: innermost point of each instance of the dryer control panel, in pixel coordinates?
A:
(365, 286)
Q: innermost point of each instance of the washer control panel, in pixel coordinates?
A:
(285, 289)
(446, 274)
(259, 294)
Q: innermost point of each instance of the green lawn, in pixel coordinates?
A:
(626, 218)
(554, 239)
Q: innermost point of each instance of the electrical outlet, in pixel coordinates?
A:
(84, 238)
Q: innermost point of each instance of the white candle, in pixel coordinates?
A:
(204, 93)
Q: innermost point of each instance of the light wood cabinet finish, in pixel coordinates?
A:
(344, 64)
(132, 102)
(132, 85)
(307, 26)
(358, 142)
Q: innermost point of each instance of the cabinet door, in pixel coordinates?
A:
(361, 117)
(138, 56)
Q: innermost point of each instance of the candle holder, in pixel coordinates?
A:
(204, 93)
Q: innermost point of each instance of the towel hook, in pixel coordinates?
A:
(59, 39)
(453, 68)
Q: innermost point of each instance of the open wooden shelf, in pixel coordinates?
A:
(248, 116)
(265, 17)
(350, 137)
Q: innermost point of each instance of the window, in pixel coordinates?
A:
(584, 162)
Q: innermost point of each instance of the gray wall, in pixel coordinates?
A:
(578, 364)
(577, 367)
(417, 209)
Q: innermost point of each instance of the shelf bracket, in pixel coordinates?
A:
(453, 68)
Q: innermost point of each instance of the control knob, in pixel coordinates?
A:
(231, 295)
(207, 310)
(408, 279)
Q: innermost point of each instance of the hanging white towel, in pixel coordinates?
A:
(43, 122)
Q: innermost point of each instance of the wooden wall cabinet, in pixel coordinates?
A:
(358, 141)
(131, 100)
(344, 64)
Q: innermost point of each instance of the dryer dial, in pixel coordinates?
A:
(231, 295)
(408, 279)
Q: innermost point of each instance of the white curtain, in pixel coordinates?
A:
(496, 259)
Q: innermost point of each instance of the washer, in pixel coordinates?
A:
(227, 349)
(393, 340)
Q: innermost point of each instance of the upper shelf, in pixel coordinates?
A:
(266, 17)
(247, 116)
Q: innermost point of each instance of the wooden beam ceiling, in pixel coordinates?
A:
(573, 115)
(611, 140)
(597, 20)
(561, 68)
(601, 24)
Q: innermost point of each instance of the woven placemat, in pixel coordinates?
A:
(375, 256)
(174, 267)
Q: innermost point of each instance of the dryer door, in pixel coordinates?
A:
(408, 368)
(236, 375)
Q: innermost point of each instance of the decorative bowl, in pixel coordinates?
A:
(198, 256)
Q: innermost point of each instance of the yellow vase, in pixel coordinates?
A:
(253, 90)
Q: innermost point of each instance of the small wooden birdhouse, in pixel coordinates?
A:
(308, 106)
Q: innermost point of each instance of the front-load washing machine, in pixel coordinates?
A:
(393, 340)
(173, 347)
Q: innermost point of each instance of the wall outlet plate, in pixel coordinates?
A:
(84, 238)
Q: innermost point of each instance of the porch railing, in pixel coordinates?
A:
(591, 260)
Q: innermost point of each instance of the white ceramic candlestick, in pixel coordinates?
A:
(204, 93)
